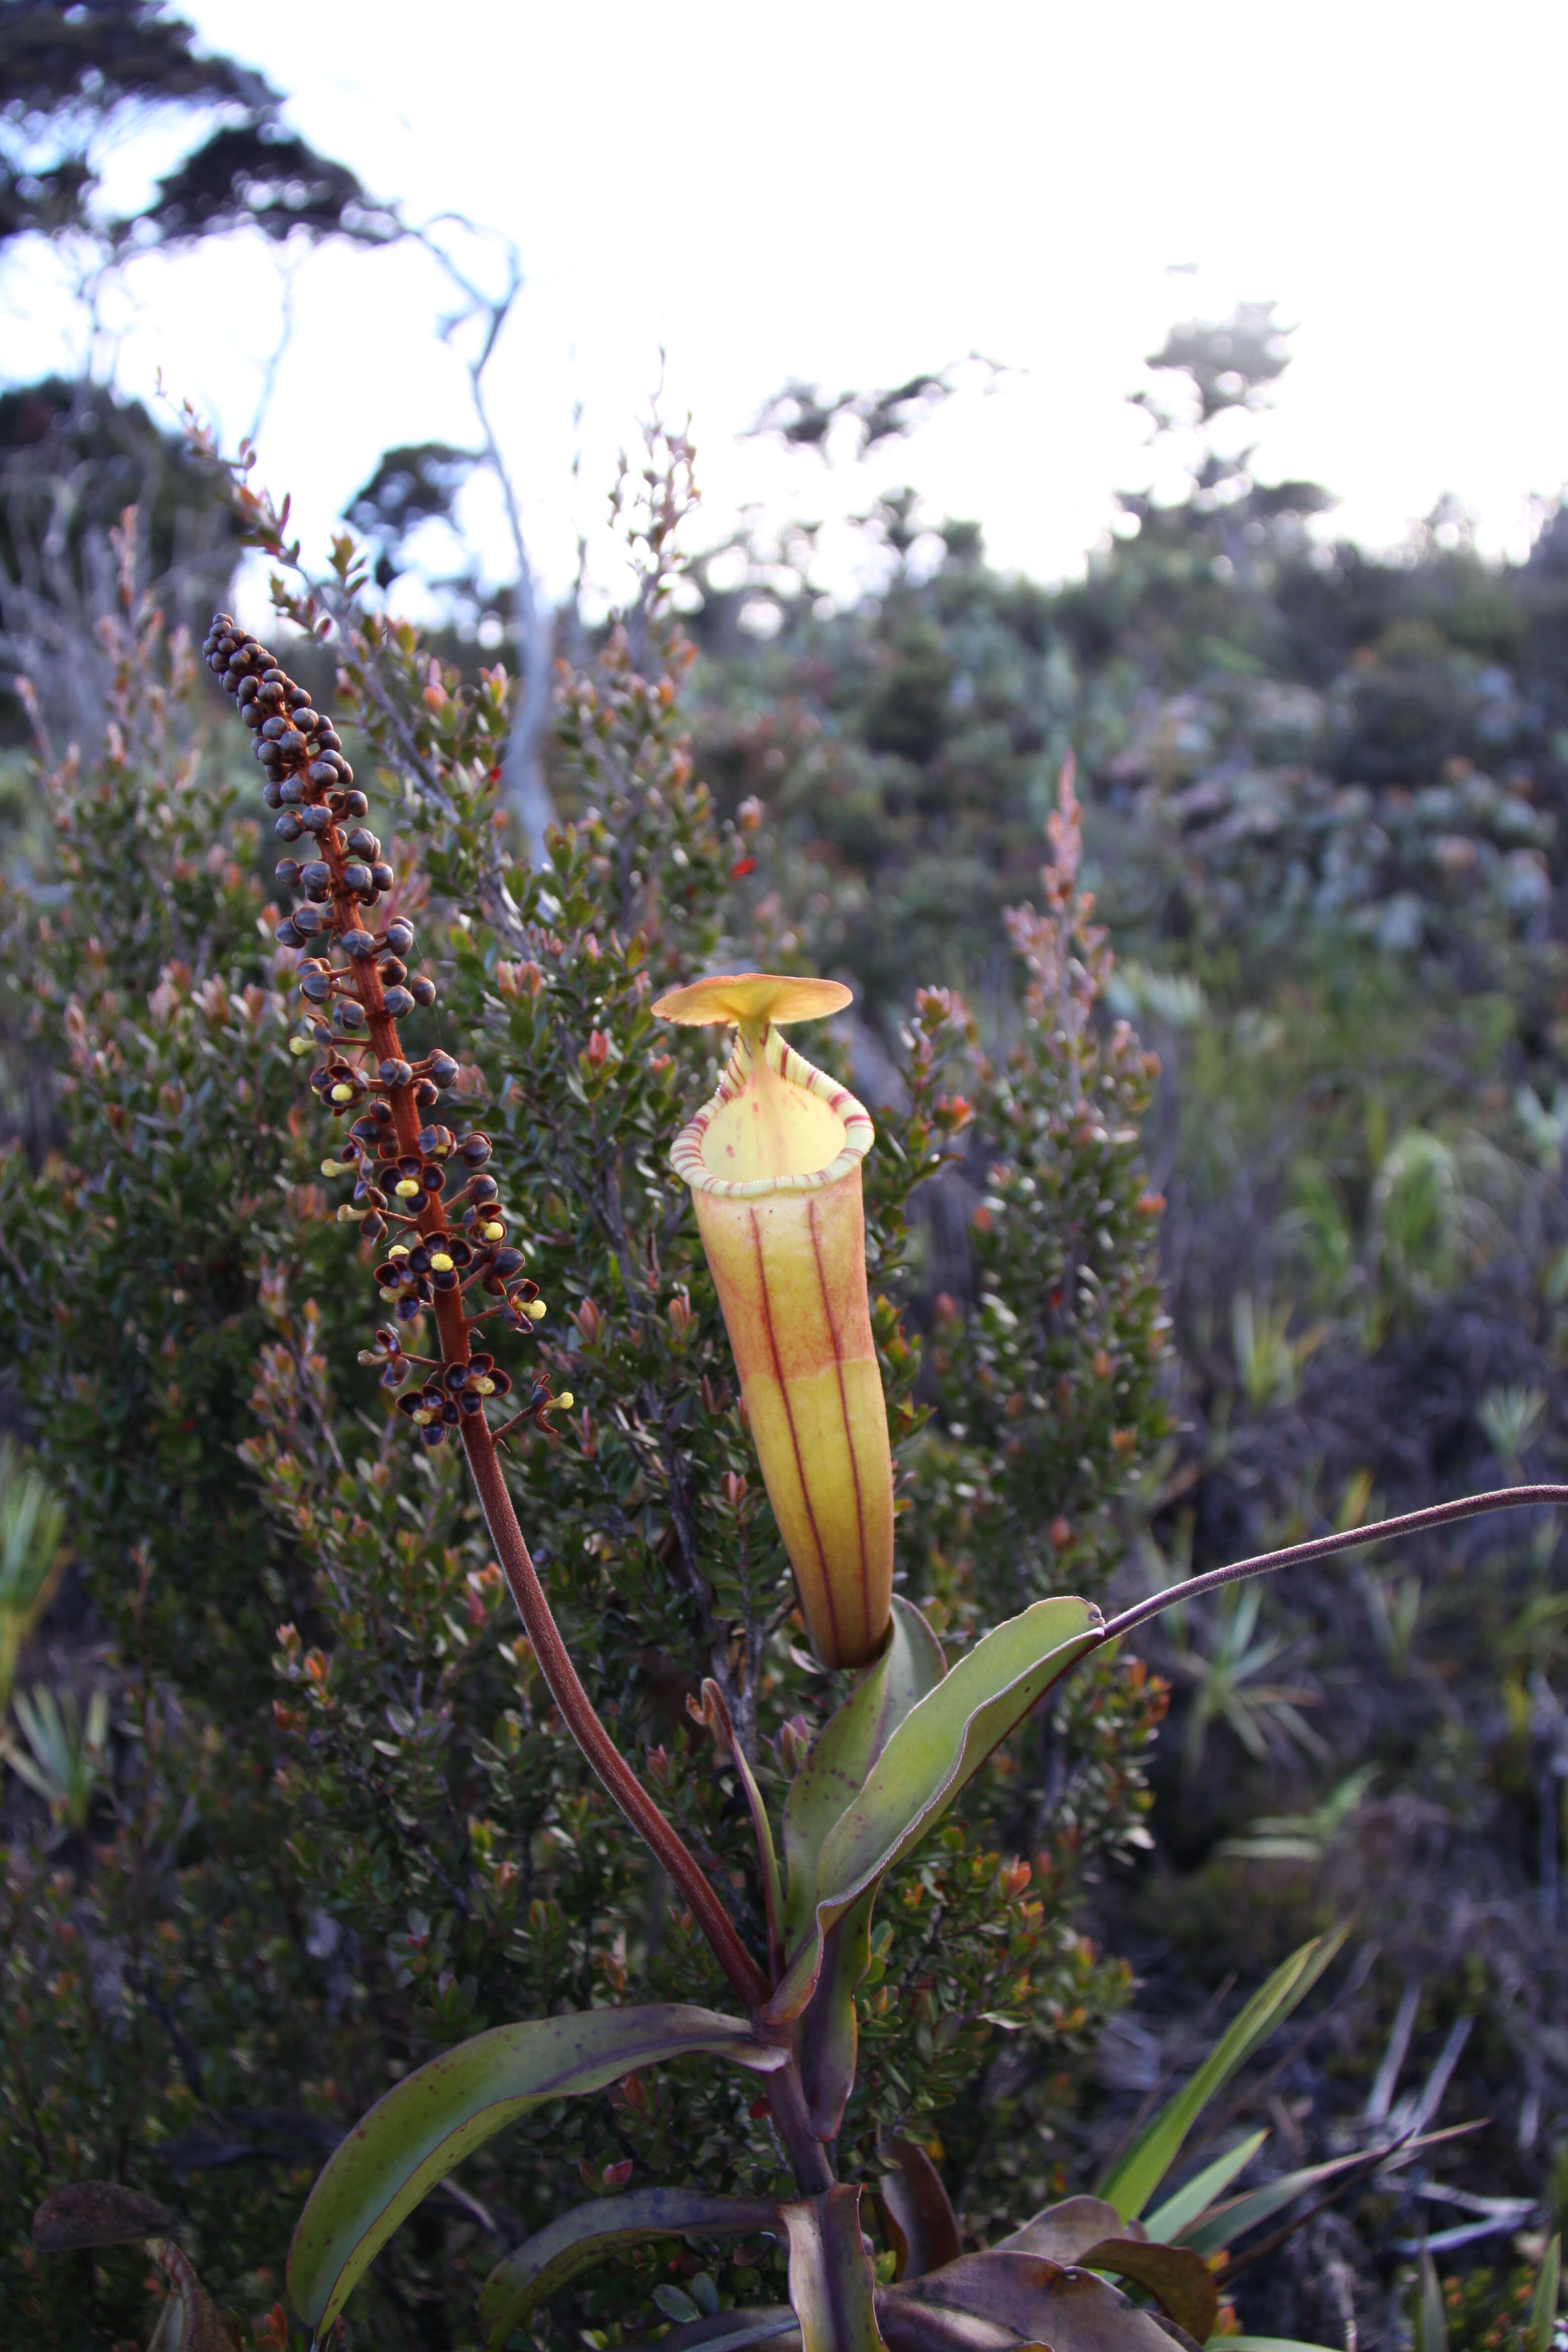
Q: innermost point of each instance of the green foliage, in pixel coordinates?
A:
(63, 1756)
(32, 1521)
(291, 1589)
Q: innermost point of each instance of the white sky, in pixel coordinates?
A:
(848, 193)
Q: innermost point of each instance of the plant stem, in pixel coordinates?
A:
(577, 1710)
(560, 1674)
(1410, 1523)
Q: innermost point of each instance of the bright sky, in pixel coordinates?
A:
(847, 192)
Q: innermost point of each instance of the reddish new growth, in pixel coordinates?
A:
(357, 985)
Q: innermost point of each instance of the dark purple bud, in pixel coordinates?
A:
(501, 1382)
(272, 792)
(363, 843)
(507, 1261)
(475, 1150)
(400, 937)
(399, 1004)
(372, 1228)
(394, 1073)
(306, 720)
(382, 875)
(356, 876)
(275, 727)
(426, 1095)
(329, 738)
(350, 1014)
(354, 804)
(316, 819)
(346, 773)
(316, 876)
(307, 921)
(484, 1188)
(289, 827)
(393, 972)
(322, 771)
(287, 871)
(443, 1069)
(423, 990)
(316, 987)
(250, 714)
(287, 935)
(357, 945)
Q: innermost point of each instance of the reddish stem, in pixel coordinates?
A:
(561, 1675)
(1409, 1523)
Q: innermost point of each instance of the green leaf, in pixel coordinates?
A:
(846, 1747)
(1170, 2219)
(831, 2287)
(1262, 2344)
(1134, 2180)
(936, 1749)
(1213, 2231)
(430, 2121)
(1543, 2303)
(1431, 2319)
(547, 2259)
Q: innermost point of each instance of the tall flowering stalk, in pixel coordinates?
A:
(452, 1246)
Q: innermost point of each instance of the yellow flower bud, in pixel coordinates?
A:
(566, 1400)
(406, 1187)
(440, 1262)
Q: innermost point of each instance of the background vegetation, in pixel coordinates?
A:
(254, 1873)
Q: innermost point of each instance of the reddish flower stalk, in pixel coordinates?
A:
(398, 1155)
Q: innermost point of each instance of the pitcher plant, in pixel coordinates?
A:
(773, 1164)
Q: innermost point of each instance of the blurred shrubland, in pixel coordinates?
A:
(1325, 819)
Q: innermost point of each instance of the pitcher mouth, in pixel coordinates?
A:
(686, 1154)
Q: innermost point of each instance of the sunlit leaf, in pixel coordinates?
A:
(934, 1752)
(846, 1748)
(1134, 2180)
(1168, 2222)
